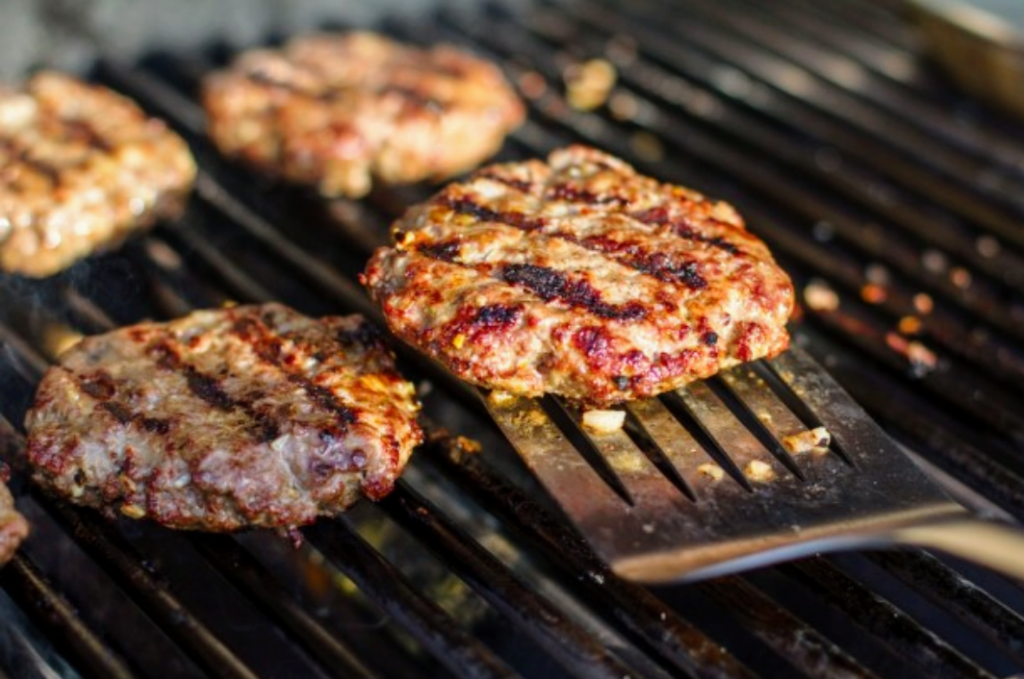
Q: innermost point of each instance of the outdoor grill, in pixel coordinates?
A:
(869, 175)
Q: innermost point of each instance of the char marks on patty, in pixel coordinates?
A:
(623, 287)
(80, 168)
(225, 419)
(13, 526)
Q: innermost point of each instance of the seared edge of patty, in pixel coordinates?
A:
(80, 168)
(225, 419)
(335, 110)
(580, 277)
(13, 526)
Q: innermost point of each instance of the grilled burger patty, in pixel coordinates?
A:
(80, 168)
(335, 110)
(224, 419)
(580, 277)
(13, 526)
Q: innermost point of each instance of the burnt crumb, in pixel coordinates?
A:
(689, 275)
(710, 338)
(155, 425)
(124, 416)
(119, 411)
(553, 285)
(446, 251)
(663, 268)
(498, 315)
(99, 386)
(365, 334)
(207, 389)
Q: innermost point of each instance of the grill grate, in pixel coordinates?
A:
(857, 163)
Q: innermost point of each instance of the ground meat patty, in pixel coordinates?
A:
(80, 168)
(335, 110)
(582, 278)
(223, 419)
(13, 526)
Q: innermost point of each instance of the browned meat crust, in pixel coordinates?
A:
(335, 110)
(13, 526)
(582, 278)
(224, 419)
(80, 168)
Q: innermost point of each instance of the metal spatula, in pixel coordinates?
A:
(703, 481)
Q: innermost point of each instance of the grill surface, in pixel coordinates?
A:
(861, 167)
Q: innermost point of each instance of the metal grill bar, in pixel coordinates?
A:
(580, 654)
(884, 60)
(903, 105)
(126, 565)
(909, 639)
(966, 600)
(392, 592)
(56, 618)
(803, 646)
(261, 587)
(668, 635)
(934, 140)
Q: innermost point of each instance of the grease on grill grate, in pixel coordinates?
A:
(844, 152)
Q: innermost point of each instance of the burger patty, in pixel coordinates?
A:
(224, 419)
(13, 526)
(580, 277)
(337, 110)
(80, 168)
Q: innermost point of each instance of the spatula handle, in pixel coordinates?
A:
(995, 545)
